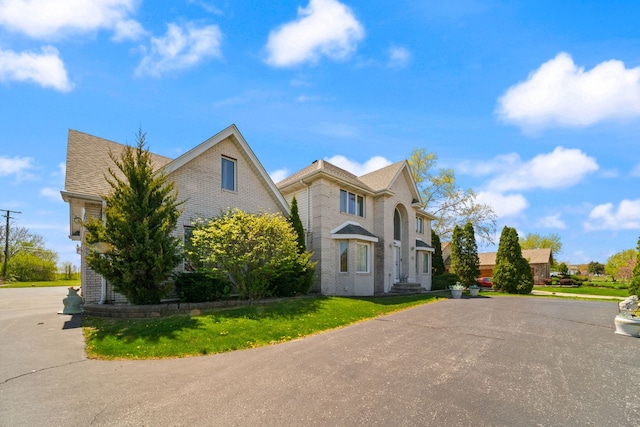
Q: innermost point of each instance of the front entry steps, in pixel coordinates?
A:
(407, 288)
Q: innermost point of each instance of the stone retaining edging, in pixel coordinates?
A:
(129, 311)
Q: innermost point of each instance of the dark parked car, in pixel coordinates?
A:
(485, 282)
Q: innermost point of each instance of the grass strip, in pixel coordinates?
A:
(585, 291)
(67, 283)
(234, 329)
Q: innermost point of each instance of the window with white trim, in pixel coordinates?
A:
(351, 203)
(343, 256)
(419, 225)
(362, 255)
(228, 174)
(426, 268)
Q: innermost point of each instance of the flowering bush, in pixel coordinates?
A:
(457, 287)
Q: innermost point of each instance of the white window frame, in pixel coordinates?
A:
(426, 263)
(235, 173)
(367, 257)
(419, 225)
(343, 249)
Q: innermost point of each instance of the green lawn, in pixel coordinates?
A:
(241, 328)
(66, 283)
(585, 290)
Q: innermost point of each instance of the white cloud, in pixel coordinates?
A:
(337, 130)
(609, 173)
(635, 172)
(356, 168)
(44, 68)
(209, 8)
(181, 48)
(606, 217)
(45, 19)
(559, 93)
(127, 30)
(279, 175)
(51, 194)
(18, 166)
(308, 98)
(62, 170)
(323, 28)
(561, 168)
(552, 221)
(503, 205)
(399, 57)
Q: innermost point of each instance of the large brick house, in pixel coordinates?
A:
(220, 173)
(367, 233)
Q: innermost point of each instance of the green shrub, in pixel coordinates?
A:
(200, 287)
(259, 253)
(567, 282)
(294, 281)
(443, 281)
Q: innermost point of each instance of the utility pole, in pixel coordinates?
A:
(6, 241)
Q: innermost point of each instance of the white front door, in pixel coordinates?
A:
(397, 270)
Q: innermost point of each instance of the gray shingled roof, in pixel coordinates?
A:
(88, 162)
(322, 166)
(355, 229)
(421, 244)
(382, 179)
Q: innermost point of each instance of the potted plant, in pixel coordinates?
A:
(473, 290)
(456, 290)
(627, 321)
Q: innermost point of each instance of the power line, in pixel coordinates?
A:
(6, 240)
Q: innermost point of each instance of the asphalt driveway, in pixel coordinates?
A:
(499, 361)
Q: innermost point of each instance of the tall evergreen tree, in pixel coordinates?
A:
(511, 273)
(135, 250)
(456, 244)
(438, 262)
(634, 285)
(469, 268)
(465, 262)
(294, 219)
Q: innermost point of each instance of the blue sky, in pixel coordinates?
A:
(535, 105)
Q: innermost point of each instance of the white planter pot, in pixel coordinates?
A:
(627, 326)
(456, 293)
(474, 292)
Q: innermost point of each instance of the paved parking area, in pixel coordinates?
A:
(494, 361)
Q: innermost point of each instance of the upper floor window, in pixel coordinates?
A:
(419, 225)
(228, 174)
(351, 203)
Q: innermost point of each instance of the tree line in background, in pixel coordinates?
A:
(28, 258)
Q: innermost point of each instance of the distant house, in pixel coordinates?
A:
(446, 255)
(220, 173)
(368, 233)
(540, 261)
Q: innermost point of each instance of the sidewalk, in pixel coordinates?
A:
(565, 294)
